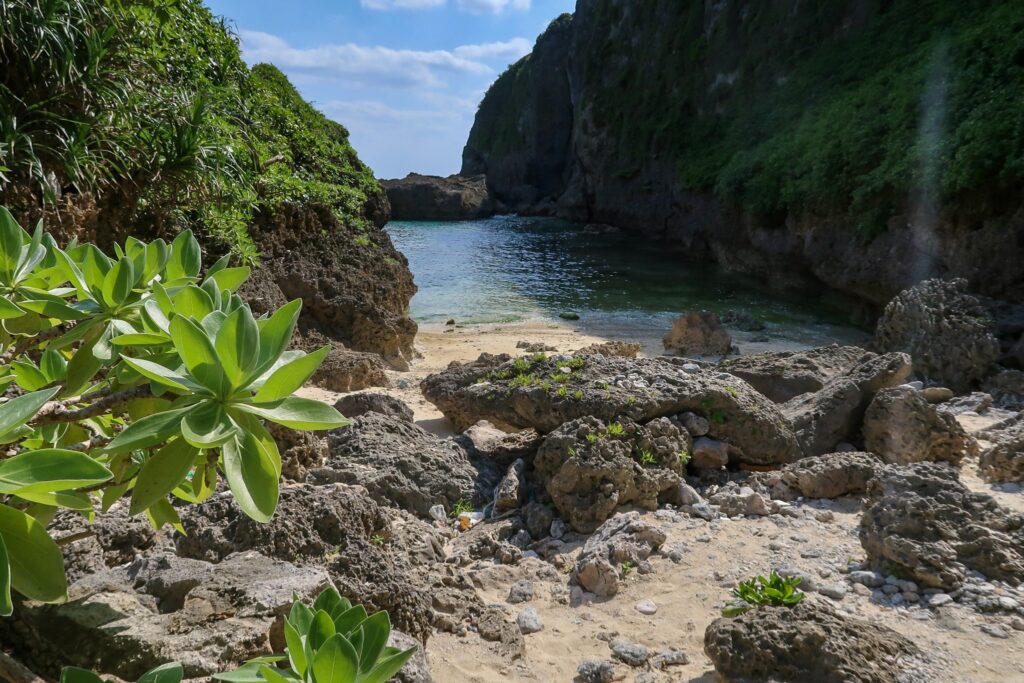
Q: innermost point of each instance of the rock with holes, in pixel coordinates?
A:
(783, 375)
(1003, 459)
(921, 523)
(826, 476)
(354, 405)
(698, 333)
(590, 468)
(485, 441)
(902, 427)
(624, 540)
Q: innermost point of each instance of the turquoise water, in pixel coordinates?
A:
(509, 269)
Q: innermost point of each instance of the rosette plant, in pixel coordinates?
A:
(134, 376)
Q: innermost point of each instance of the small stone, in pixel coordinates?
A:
(1008, 604)
(911, 597)
(709, 454)
(629, 653)
(529, 621)
(937, 394)
(824, 516)
(646, 607)
(521, 591)
(695, 424)
(940, 599)
(558, 528)
(691, 368)
(995, 631)
(688, 495)
(437, 513)
(867, 578)
(595, 671)
(836, 591)
(670, 657)
(896, 600)
(1017, 624)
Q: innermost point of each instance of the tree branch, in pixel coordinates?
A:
(13, 672)
(60, 411)
(27, 343)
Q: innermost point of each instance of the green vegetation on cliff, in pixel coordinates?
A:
(142, 112)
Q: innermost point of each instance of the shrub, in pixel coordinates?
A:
(774, 590)
(133, 376)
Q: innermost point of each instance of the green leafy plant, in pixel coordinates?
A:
(684, 458)
(578, 394)
(616, 429)
(133, 376)
(165, 673)
(774, 590)
(627, 568)
(459, 508)
(562, 391)
(645, 457)
(592, 437)
(560, 377)
(330, 642)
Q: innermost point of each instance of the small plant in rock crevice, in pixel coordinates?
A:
(627, 568)
(684, 458)
(774, 590)
(616, 429)
(645, 457)
(459, 508)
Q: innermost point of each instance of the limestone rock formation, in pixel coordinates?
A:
(698, 333)
(1003, 460)
(808, 643)
(354, 405)
(589, 471)
(783, 375)
(433, 198)
(825, 476)
(485, 441)
(945, 330)
(623, 538)
(902, 427)
(345, 370)
(608, 388)
(921, 523)
(834, 413)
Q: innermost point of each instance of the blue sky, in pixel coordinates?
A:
(405, 76)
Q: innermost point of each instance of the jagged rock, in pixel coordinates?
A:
(433, 198)
(345, 370)
(1004, 459)
(508, 495)
(589, 472)
(709, 454)
(115, 539)
(336, 526)
(947, 332)
(404, 465)
(834, 413)
(902, 427)
(782, 375)
(492, 626)
(807, 643)
(607, 388)
(129, 619)
(735, 501)
(358, 404)
(417, 668)
(596, 671)
(623, 538)
(695, 424)
(611, 348)
(921, 523)
(299, 450)
(538, 518)
(535, 347)
(975, 402)
(826, 476)
(484, 440)
(1006, 388)
(698, 333)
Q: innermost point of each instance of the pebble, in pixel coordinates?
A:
(529, 621)
(521, 591)
(867, 578)
(1017, 624)
(646, 607)
(824, 516)
(558, 528)
(691, 368)
(995, 631)
(629, 653)
(670, 657)
(437, 512)
(940, 599)
(836, 591)
(595, 671)
(1008, 604)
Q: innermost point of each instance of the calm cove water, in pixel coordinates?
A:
(511, 269)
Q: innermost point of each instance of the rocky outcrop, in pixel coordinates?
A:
(682, 152)
(833, 415)
(405, 465)
(1003, 460)
(546, 393)
(902, 427)
(590, 468)
(623, 538)
(946, 331)
(808, 643)
(484, 440)
(354, 405)
(826, 476)
(783, 375)
(698, 333)
(433, 198)
(921, 523)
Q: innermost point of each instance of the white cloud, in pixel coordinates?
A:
(376, 65)
(493, 6)
(402, 4)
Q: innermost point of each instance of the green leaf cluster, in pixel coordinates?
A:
(137, 375)
(774, 590)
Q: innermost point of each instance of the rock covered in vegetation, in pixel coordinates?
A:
(161, 608)
(1004, 459)
(591, 468)
(902, 427)
(624, 540)
(783, 375)
(698, 333)
(946, 331)
(405, 465)
(921, 523)
(433, 198)
(544, 393)
(354, 405)
(807, 643)
(834, 413)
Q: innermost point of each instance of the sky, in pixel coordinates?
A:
(404, 76)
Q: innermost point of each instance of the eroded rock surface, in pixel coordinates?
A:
(902, 427)
(354, 405)
(1003, 460)
(826, 476)
(782, 375)
(623, 538)
(698, 333)
(433, 198)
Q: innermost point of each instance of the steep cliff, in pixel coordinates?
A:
(861, 143)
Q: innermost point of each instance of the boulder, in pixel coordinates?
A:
(947, 332)
(611, 348)
(902, 427)
(126, 620)
(354, 405)
(404, 465)
(698, 333)
(417, 668)
(345, 370)
(1006, 388)
(834, 413)
(589, 470)
(623, 538)
(807, 643)
(300, 451)
(737, 501)
(485, 441)
(921, 523)
(434, 198)
(508, 495)
(742, 320)
(1003, 460)
(826, 476)
(540, 394)
(782, 375)
(112, 539)
(709, 454)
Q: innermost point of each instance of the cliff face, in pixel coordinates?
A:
(865, 144)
